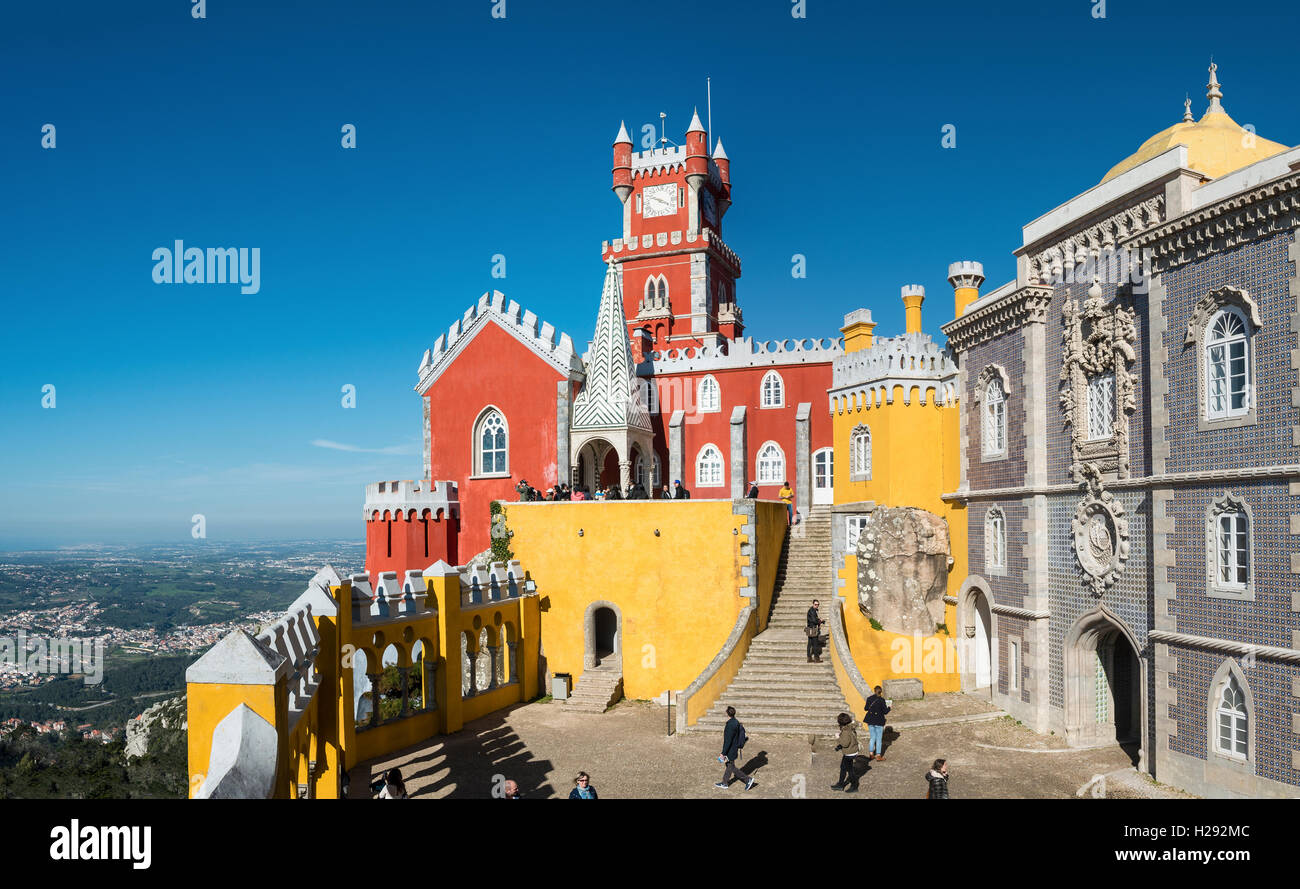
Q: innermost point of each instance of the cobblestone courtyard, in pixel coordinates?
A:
(629, 754)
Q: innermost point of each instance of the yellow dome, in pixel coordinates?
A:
(1216, 144)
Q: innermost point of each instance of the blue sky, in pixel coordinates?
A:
(478, 136)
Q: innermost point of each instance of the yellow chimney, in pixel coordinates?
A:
(913, 296)
(965, 278)
(857, 330)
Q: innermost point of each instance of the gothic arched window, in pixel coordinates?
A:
(860, 454)
(491, 444)
(995, 417)
(709, 398)
(771, 464)
(773, 390)
(1227, 365)
(995, 539)
(1232, 719)
(708, 467)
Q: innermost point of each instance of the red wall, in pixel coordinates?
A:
(493, 369)
(405, 542)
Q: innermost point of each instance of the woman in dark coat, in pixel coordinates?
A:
(938, 778)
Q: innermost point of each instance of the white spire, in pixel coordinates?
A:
(720, 153)
(696, 126)
(622, 134)
(1214, 94)
(1187, 111)
(609, 397)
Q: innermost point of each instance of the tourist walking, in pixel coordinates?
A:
(679, 492)
(733, 742)
(582, 788)
(877, 709)
(849, 748)
(938, 778)
(394, 787)
(787, 497)
(814, 632)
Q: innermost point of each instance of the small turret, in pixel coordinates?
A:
(697, 152)
(965, 278)
(913, 296)
(858, 329)
(723, 164)
(622, 163)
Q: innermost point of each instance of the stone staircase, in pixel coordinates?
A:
(598, 689)
(777, 691)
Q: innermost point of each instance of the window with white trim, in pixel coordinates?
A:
(1227, 365)
(1232, 721)
(771, 464)
(853, 527)
(708, 467)
(709, 395)
(639, 472)
(995, 418)
(491, 440)
(773, 390)
(995, 538)
(1232, 549)
(860, 453)
(1101, 406)
(649, 395)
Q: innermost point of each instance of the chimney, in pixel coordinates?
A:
(913, 296)
(965, 278)
(857, 330)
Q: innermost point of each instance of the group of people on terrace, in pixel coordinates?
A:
(637, 491)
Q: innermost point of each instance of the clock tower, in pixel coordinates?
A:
(679, 277)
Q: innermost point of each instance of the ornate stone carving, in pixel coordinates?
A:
(1212, 302)
(1100, 533)
(1049, 265)
(1027, 305)
(1099, 338)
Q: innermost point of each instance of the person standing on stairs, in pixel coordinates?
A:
(877, 708)
(787, 497)
(849, 748)
(733, 742)
(814, 634)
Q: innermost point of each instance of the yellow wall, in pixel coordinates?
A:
(915, 459)
(679, 593)
(210, 702)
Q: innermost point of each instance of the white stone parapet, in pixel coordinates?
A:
(909, 360)
(480, 585)
(390, 498)
(538, 335)
(295, 638)
(966, 273)
(742, 353)
(648, 245)
(390, 598)
(913, 290)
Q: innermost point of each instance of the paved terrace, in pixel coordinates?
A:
(629, 754)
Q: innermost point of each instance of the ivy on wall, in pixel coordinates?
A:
(499, 533)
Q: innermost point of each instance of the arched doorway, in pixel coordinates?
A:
(1103, 685)
(603, 635)
(975, 614)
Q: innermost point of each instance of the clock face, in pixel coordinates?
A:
(706, 202)
(659, 200)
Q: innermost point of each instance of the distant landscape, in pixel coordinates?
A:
(157, 608)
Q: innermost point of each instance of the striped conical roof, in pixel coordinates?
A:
(610, 398)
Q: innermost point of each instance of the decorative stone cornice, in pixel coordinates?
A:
(665, 243)
(1226, 646)
(1165, 479)
(1048, 263)
(1248, 215)
(1022, 613)
(1025, 305)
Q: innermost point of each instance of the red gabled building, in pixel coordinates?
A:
(669, 388)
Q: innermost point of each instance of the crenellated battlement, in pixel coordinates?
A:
(649, 245)
(385, 500)
(912, 361)
(742, 353)
(390, 597)
(540, 336)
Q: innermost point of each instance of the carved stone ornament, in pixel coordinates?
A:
(1100, 533)
(1215, 300)
(1099, 338)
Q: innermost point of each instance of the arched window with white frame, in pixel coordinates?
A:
(772, 391)
(860, 453)
(709, 395)
(995, 540)
(708, 467)
(994, 415)
(1229, 547)
(771, 464)
(491, 444)
(1228, 384)
(1231, 719)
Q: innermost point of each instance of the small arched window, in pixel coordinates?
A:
(1232, 720)
(1227, 365)
(491, 440)
(649, 395)
(709, 397)
(639, 469)
(773, 390)
(771, 464)
(995, 539)
(995, 417)
(860, 454)
(708, 467)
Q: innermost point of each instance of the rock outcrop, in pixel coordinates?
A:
(168, 714)
(903, 560)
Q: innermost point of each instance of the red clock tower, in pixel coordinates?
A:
(679, 277)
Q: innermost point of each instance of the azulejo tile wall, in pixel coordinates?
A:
(1009, 471)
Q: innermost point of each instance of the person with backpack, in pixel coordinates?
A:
(877, 709)
(938, 778)
(814, 632)
(847, 744)
(733, 742)
(679, 492)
